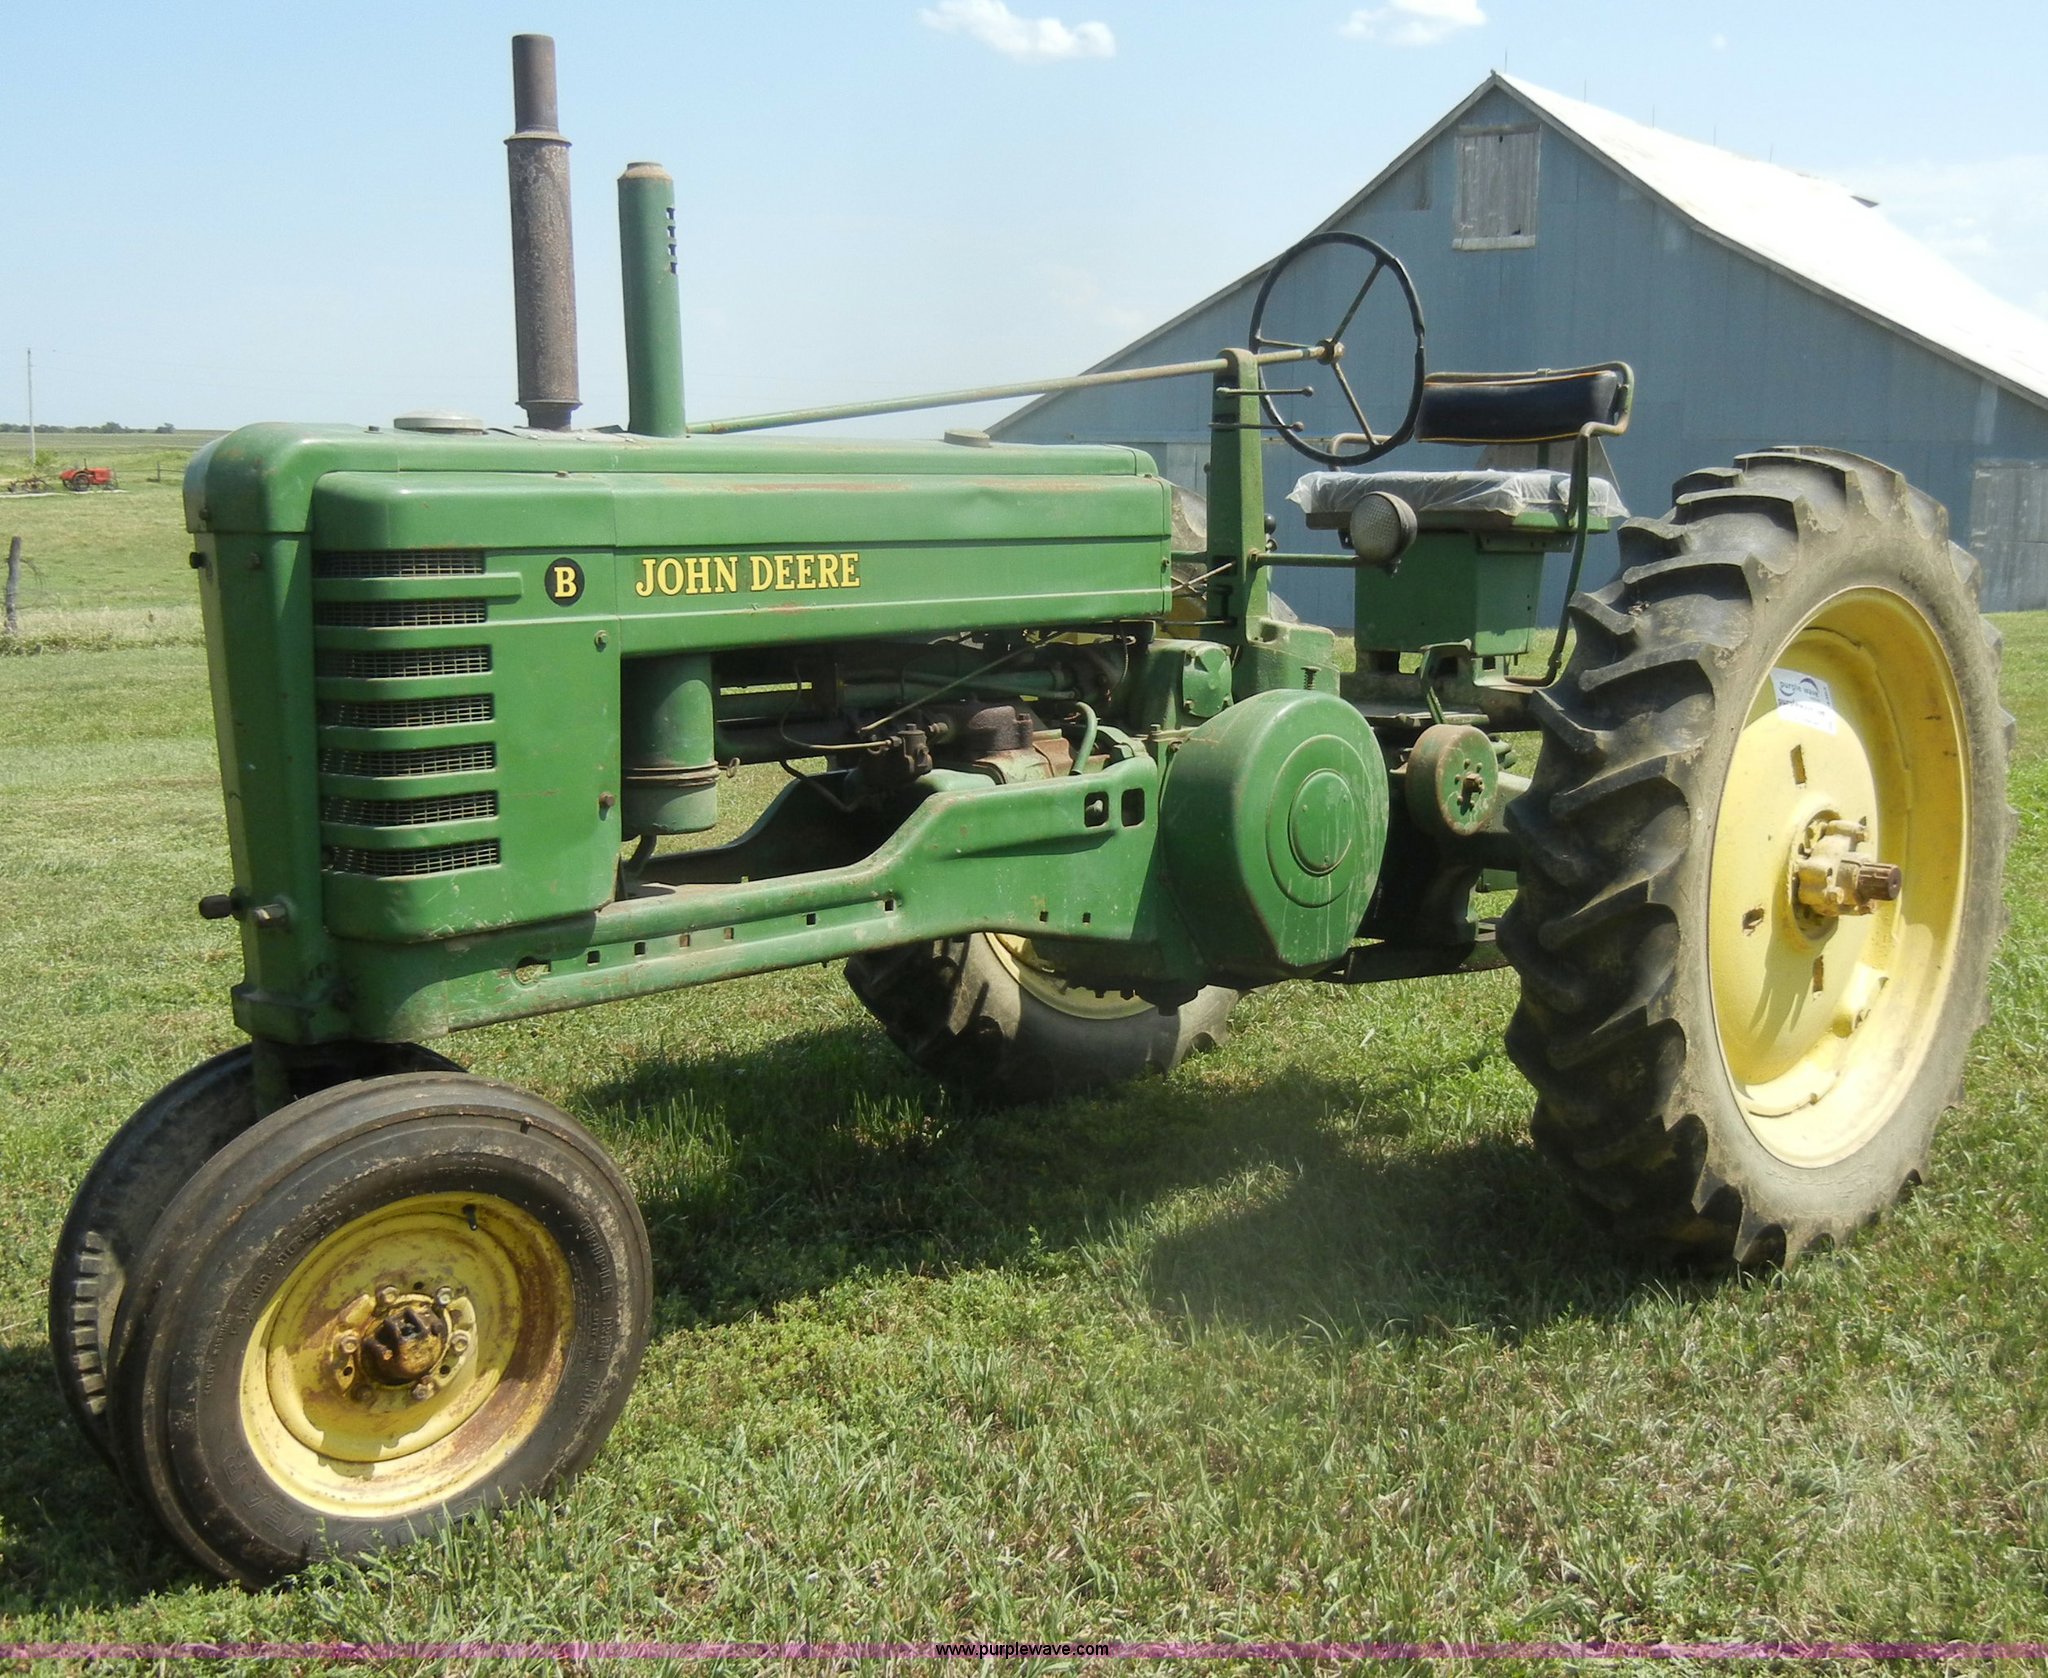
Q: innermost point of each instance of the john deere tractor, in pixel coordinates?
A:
(1063, 782)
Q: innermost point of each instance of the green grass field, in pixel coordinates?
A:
(105, 568)
(1303, 1342)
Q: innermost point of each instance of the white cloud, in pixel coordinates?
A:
(1029, 40)
(1412, 23)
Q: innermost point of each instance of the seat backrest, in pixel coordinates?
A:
(1541, 407)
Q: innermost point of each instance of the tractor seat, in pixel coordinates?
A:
(1531, 499)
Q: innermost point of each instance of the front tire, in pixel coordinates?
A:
(988, 1015)
(141, 1169)
(377, 1309)
(1740, 1043)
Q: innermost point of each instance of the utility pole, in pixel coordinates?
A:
(31, 354)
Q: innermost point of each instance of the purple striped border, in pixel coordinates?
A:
(638, 1651)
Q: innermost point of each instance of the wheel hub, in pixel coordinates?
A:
(404, 1344)
(1833, 875)
(411, 1343)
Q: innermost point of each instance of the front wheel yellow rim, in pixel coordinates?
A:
(408, 1356)
(1848, 781)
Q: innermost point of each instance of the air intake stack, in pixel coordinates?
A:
(647, 269)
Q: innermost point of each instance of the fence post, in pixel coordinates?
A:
(13, 585)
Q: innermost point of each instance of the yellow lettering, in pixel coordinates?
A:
(671, 576)
(828, 570)
(760, 573)
(700, 574)
(565, 582)
(728, 566)
(849, 569)
(806, 571)
(645, 586)
(784, 573)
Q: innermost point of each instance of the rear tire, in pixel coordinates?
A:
(1724, 1067)
(986, 1015)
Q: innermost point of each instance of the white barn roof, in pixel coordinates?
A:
(1816, 233)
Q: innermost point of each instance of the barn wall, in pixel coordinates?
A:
(1729, 356)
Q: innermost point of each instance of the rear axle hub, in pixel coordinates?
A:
(1832, 875)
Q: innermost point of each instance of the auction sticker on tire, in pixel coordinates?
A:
(1805, 699)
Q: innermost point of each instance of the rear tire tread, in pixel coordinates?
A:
(1605, 1027)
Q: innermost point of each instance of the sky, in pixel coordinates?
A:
(228, 212)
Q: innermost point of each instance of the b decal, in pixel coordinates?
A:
(565, 582)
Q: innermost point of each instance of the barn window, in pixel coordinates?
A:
(1497, 174)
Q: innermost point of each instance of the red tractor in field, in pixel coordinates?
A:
(83, 478)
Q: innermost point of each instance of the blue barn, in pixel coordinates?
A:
(1758, 306)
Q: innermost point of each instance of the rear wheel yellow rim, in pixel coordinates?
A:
(476, 1297)
(1824, 1016)
(1042, 979)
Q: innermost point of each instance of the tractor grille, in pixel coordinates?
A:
(426, 731)
(406, 713)
(413, 562)
(402, 664)
(433, 760)
(398, 614)
(393, 865)
(409, 812)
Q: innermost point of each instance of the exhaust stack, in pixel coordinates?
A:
(543, 271)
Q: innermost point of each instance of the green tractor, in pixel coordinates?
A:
(1064, 780)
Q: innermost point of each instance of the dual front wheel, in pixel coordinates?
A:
(382, 1306)
(412, 1293)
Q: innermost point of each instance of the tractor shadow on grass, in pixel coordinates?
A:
(1480, 1237)
(1301, 1207)
(1298, 1207)
(70, 1535)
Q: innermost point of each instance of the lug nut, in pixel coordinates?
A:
(349, 1344)
(444, 1297)
(458, 1343)
(387, 1296)
(423, 1389)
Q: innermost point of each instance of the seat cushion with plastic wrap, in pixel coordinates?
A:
(1482, 500)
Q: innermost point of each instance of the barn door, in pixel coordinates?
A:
(2009, 532)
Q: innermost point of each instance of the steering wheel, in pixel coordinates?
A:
(1383, 261)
